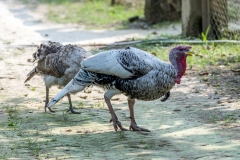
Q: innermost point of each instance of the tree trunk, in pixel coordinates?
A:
(162, 10)
(192, 17)
(113, 2)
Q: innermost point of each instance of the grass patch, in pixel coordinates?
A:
(91, 13)
(10, 108)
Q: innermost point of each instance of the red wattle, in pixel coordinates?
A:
(177, 80)
(184, 65)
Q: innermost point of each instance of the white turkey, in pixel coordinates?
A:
(58, 64)
(132, 72)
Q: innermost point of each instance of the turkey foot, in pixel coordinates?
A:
(117, 124)
(135, 127)
(166, 96)
(70, 103)
(72, 111)
(49, 109)
(69, 110)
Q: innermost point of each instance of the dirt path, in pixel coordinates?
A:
(195, 123)
(20, 25)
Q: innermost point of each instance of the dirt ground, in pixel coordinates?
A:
(198, 121)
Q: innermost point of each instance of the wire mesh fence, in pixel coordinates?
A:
(225, 19)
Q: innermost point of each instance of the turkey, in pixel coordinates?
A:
(58, 64)
(132, 72)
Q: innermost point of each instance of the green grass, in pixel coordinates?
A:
(204, 56)
(90, 13)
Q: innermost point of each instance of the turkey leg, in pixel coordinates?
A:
(116, 123)
(133, 124)
(47, 100)
(70, 103)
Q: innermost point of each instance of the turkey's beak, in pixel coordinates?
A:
(189, 53)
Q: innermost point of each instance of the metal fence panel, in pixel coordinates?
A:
(225, 19)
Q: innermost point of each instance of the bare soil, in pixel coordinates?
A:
(201, 120)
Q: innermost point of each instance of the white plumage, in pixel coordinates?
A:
(132, 72)
(58, 64)
(108, 60)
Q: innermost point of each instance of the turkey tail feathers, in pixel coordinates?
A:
(31, 74)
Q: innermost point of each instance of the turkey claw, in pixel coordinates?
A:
(72, 111)
(134, 127)
(117, 124)
(45, 108)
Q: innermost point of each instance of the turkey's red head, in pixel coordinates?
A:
(177, 57)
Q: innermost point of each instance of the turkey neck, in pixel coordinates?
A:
(180, 65)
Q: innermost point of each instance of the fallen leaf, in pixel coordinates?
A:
(230, 101)
(83, 97)
(203, 73)
(154, 32)
(88, 91)
(223, 101)
(215, 85)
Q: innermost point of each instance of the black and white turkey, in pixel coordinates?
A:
(58, 64)
(132, 72)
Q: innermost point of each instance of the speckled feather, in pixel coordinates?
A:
(148, 78)
(58, 63)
